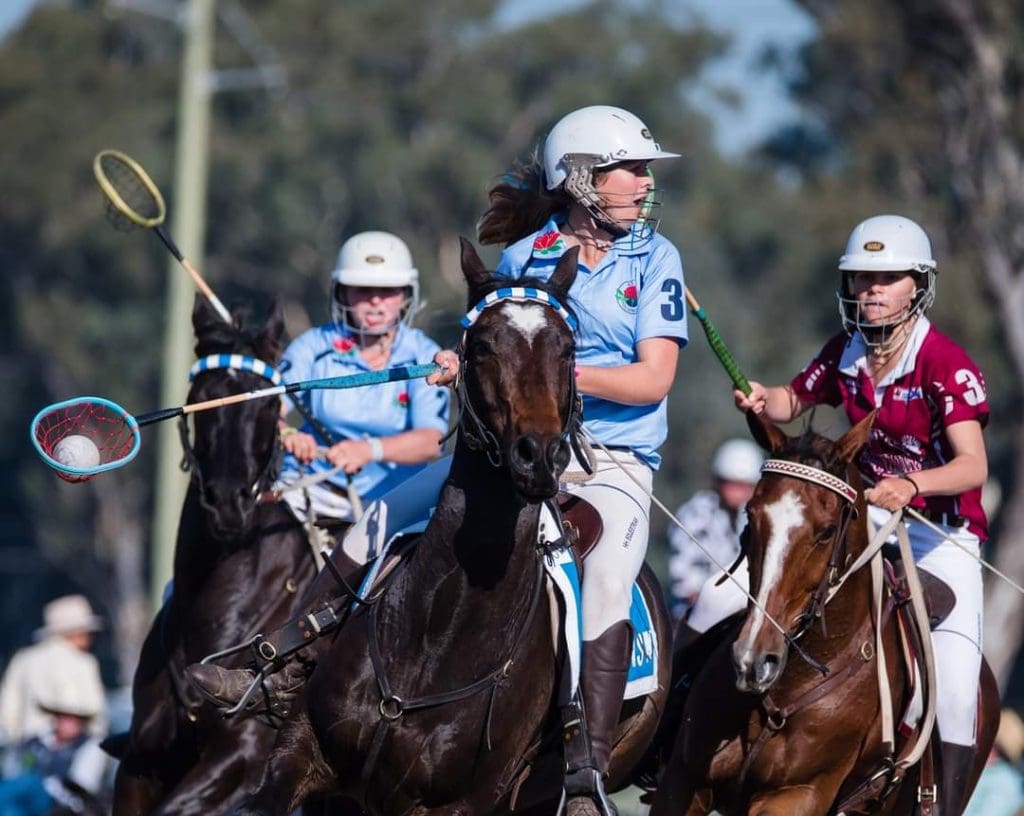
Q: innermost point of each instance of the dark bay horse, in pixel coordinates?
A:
(239, 567)
(763, 731)
(441, 696)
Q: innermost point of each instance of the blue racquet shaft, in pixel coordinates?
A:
(348, 381)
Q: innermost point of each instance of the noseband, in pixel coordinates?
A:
(477, 435)
(806, 473)
(234, 362)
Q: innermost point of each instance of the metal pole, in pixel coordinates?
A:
(188, 229)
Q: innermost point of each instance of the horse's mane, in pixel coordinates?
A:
(498, 282)
(217, 337)
(811, 448)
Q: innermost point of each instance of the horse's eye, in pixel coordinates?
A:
(826, 535)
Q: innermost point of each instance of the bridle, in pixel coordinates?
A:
(473, 430)
(837, 559)
(233, 362)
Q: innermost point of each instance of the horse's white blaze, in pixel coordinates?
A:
(527, 318)
(785, 515)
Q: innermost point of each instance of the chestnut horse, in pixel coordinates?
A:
(764, 732)
(239, 567)
(441, 696)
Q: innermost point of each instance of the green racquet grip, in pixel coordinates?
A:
(722, 352)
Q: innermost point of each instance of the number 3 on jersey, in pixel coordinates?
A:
(672, 307)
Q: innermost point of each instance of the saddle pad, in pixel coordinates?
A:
(642, 678)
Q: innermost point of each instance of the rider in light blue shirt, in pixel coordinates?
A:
(375, 437)
(633, 293)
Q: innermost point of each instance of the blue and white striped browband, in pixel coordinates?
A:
(518, 294)
(239, 362)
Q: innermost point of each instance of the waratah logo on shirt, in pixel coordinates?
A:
(402, 400)
(550, 243)
(627, 296)
(345, 345)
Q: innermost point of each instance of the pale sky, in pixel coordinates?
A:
(752, 23)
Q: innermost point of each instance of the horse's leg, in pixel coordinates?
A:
(676, 796)
(804, 800)
(135, 794)
(295, 770)
(227, 772)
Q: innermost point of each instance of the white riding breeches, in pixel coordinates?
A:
(614, 563)
(956, 641)
(408, 506)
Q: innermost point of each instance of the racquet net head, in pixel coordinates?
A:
(132, 199)
(81, 437)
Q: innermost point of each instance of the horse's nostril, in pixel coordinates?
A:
(558, 453)
(526, 450)
(767, 668)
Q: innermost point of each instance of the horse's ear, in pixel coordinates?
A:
(562, 278)
(766, 433)
(853, 440)
(268, 343)
(473, 269)
(203, 315)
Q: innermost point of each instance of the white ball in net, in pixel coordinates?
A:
(77, 451)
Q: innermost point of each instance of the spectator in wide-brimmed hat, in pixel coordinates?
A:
(58, 663)
(64, 767)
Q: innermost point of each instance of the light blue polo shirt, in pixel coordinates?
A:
(356, 413)
(635, 293)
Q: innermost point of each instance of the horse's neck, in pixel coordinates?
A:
(482, 535)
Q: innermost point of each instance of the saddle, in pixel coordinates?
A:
(581, 524)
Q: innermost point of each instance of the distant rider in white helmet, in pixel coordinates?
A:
(713, 520)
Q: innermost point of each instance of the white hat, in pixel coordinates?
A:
(68, 698)
(738, 460)
(68, 614)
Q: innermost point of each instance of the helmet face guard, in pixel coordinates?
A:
(579, 183)
(342, 313)
(881, 335)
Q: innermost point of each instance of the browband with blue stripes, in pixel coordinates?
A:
(518, 294)
(238, 362)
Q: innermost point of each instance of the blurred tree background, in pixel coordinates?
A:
(398, 115)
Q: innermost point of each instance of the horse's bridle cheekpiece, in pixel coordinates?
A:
(808, 473)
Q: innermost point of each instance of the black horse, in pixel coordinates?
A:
(239, 568)
(441, 697)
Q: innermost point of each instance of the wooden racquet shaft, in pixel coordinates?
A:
(347, 381)
(718, 346)
(193, 273)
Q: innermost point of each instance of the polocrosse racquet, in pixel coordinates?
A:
(718, 346)
(112, 434)
(133, 200)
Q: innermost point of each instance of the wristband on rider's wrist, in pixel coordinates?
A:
(906, 477)
(376, 448)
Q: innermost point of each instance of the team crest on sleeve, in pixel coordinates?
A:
(627, 296)
(548, 244)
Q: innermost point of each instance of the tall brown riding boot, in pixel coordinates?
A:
(956, 761)
(589, 740)
(283, 663)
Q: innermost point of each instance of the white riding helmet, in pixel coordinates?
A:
(594, 137)
(374, 258)
(604, 135)
(886, 243)
(738, 460)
